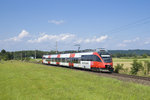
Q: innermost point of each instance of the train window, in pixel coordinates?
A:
(47, 59)
(75, 60)
(62, 59)
(68, 59)
(43, 58)
(83, 58)
(56, 59)
(79, 59)
(96, 58)
(90, 58)
(53, 59)
(107, 59)
(87, 57)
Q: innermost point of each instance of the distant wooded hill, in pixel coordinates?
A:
(137, 52)
(129, 53)
(38, 54)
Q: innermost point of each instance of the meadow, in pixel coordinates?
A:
(127, 62)
(28, 81)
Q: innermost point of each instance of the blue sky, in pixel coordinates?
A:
(110, 24)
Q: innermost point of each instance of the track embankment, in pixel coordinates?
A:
(128, 78)
(123, 77)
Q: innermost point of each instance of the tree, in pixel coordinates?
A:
(136, 66)
(146, 67)
(5, 55)
(3, 51)
(144, 55)
(118, 67)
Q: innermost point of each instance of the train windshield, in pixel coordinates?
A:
(106, 57)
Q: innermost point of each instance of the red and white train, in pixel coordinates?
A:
(96, 61)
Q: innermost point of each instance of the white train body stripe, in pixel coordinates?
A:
(80, 54)
(64, 63)
(86, 64)
(105, 55)
(53, 56)
(77, 65)
(64, 55)
(53, 63)
(44, 61)
(46, 56)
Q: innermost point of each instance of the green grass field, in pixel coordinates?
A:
(27, 81)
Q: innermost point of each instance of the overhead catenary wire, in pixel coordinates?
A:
(130, 25)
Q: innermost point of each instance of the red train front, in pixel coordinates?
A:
(103, 62)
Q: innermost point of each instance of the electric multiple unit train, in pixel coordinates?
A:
(97, 61)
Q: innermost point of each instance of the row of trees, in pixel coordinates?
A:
(137, 52)
(119, 55)
(21, 55)
(5, 55)
(38, 54)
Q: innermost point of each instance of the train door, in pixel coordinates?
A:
(85, 61)
(70, 60)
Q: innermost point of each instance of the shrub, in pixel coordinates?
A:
(136, 66)
(144, 55)
(118, 67)
(27, 59)
(146, 67)
(126, 70)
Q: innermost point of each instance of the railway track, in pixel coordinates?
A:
(128, 78)
(132, 76)
(122, 77)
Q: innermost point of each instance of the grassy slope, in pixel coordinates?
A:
(26, 81)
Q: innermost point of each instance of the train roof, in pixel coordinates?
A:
(71, 53)
(99, 50)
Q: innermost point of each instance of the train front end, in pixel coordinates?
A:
(107, 63)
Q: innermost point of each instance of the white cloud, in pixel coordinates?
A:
(125, 42)
(92, 40)
(122, 45)
(22, 35)
(57, 22)
(102, 38)
(78, 41)
(67, 37)
(46, 37)
(146, 42)
(133, 40)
